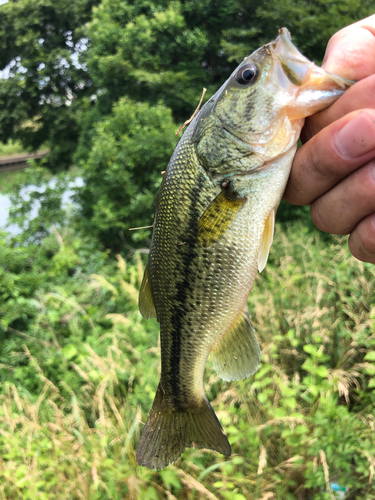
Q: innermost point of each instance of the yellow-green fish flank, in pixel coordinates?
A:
(213, 228)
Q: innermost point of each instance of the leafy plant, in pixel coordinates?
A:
(130, 150)
(79, 366)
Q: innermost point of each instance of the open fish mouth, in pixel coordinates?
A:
(299, 70)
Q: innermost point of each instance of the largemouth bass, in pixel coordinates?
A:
(213, 228)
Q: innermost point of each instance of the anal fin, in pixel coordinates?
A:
(146, 300)
(237, 355)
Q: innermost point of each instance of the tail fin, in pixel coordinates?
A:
(167, 432)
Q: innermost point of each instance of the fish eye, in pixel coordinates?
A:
(247, 74)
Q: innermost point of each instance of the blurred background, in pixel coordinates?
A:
(91, 94)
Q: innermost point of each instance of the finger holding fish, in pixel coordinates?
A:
(330, 156)
(333, 170)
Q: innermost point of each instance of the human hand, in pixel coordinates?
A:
(334, 171)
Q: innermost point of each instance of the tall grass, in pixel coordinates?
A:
(81, 379)
(11, 148)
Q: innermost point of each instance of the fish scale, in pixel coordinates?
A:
(213, 227)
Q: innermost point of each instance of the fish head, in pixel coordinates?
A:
(260, 109)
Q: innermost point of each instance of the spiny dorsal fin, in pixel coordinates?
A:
(237, 355)
(219, 215)
(146, 300)
(269, 228)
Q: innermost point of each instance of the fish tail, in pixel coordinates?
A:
(168, 432)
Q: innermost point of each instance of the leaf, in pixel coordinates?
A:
(370, 356)
(322, 371)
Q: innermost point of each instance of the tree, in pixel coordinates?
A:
(310, 23)
(130, 149)
(42, 100)
(166, 50)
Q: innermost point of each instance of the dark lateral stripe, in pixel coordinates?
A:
(178, 320)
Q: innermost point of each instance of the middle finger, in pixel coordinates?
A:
(330, 156)
(339, 210)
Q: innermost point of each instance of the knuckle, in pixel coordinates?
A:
(370, 178)
(317, 159)
(365, 179)
(321, 217)
(362, 241)
(369, 83)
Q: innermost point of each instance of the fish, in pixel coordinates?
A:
(213, 228)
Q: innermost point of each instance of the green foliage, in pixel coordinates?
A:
(170, 50)
(40, 101)
(11, 148)
(130, 149)
(311, 24)
(79, 366)
(62, 55)
(166, 50)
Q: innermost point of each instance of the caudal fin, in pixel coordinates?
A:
(168, 432)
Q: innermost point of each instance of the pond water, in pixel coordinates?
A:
(5, 204)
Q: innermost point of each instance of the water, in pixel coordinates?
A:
(5, 203)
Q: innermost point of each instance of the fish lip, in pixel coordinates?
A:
(295, 66)
(286, 38)
(300, 71)
(320, 77)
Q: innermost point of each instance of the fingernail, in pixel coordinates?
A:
(357, 137)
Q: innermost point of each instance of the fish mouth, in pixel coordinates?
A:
(299, 71)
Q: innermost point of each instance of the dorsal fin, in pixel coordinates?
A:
(269, 228)
(146, 300)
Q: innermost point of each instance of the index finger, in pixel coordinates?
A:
(350, 51)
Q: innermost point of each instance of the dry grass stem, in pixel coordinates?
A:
(194, 114)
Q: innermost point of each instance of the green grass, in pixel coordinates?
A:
(78, 366)
(11, 148)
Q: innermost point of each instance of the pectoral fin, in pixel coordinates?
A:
(146, 300)
(267, 239)
(237, 354)
(219, 216)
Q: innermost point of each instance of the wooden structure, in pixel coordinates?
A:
(19, 161)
